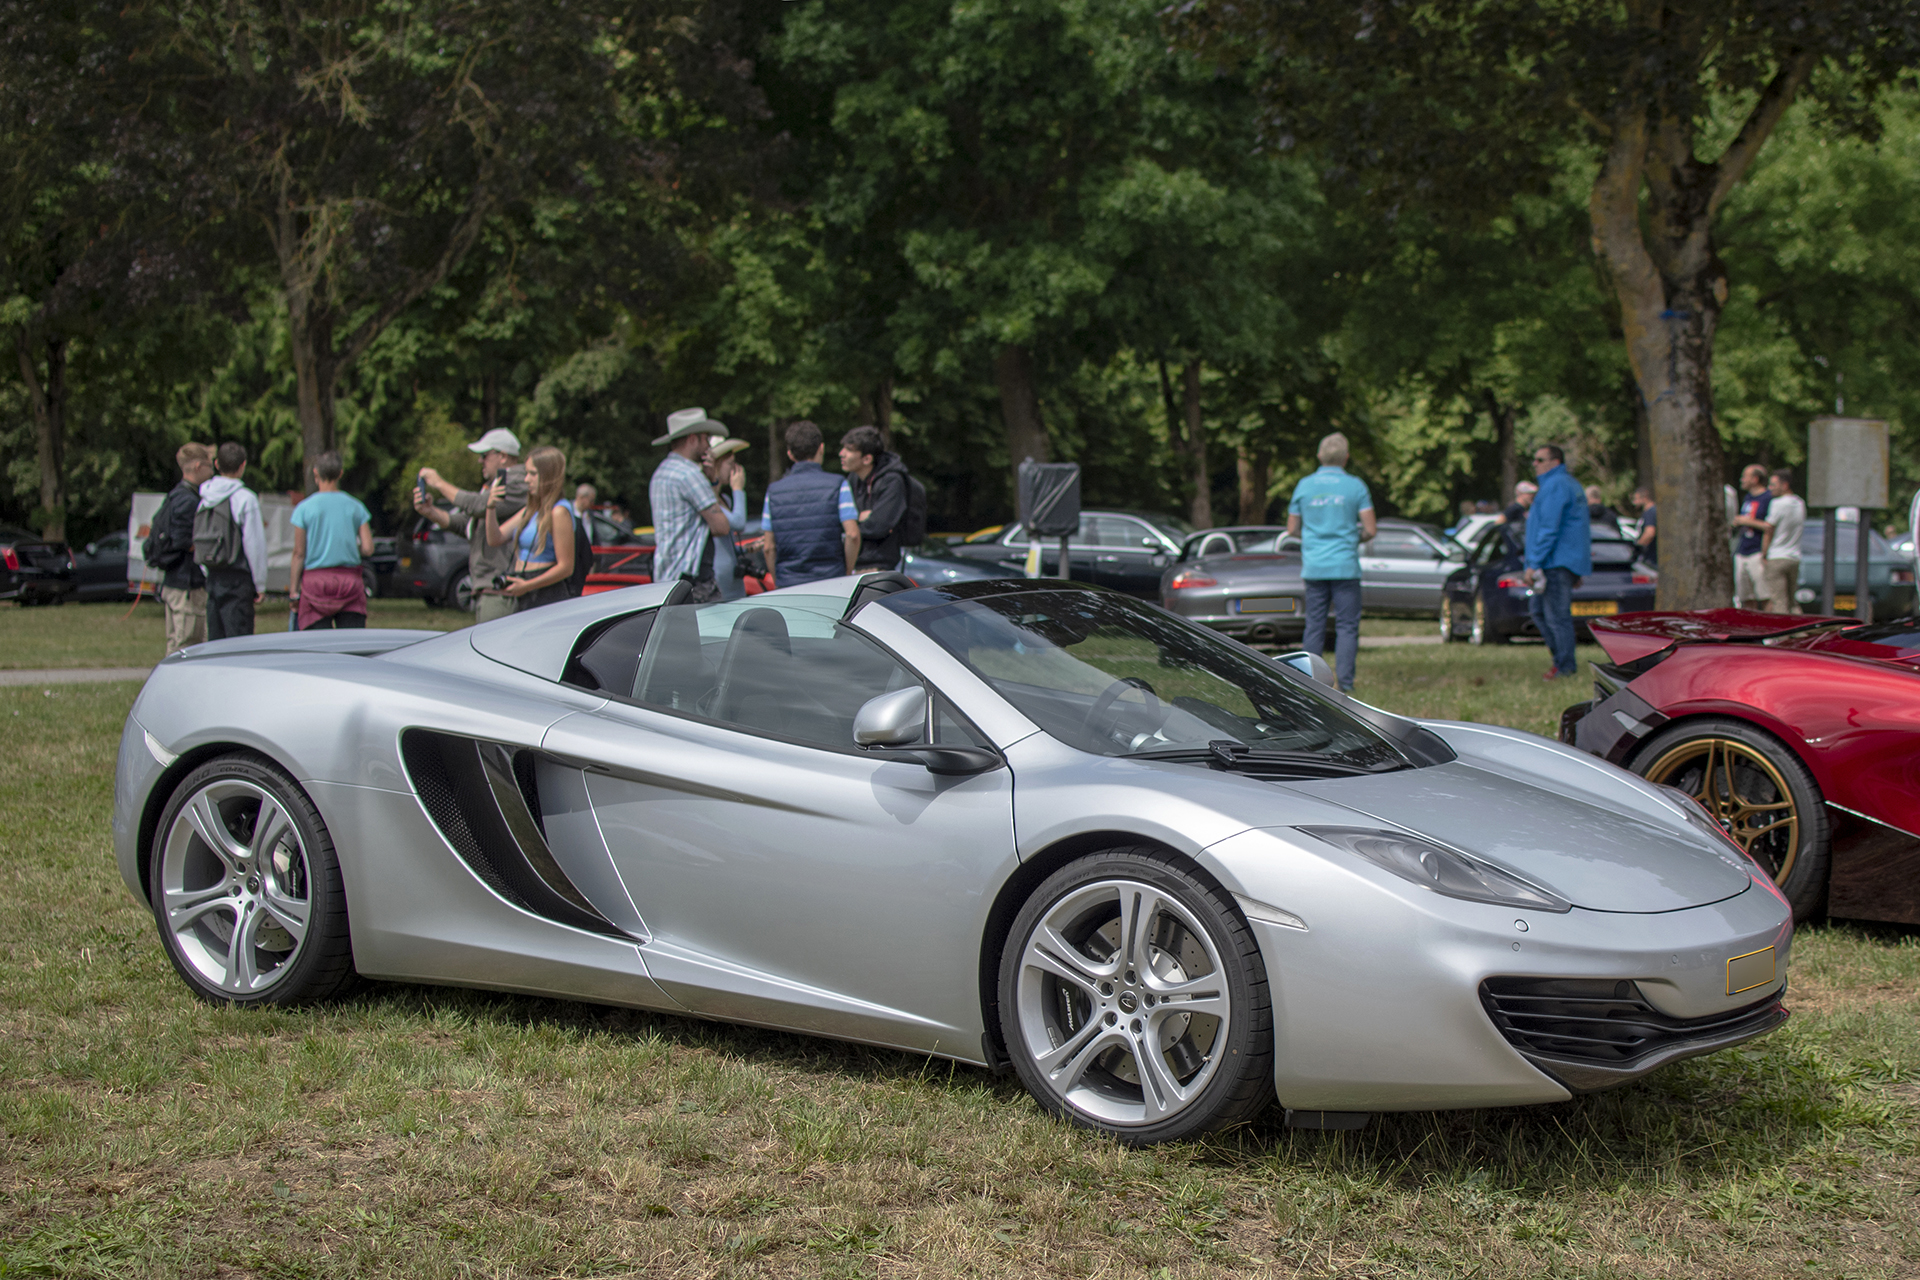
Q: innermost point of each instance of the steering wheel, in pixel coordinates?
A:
(1104, 703)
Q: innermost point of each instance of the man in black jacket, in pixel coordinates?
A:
(879, 483)
(183, 588)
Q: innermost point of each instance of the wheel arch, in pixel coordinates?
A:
(1752, 717)
(1019, 886)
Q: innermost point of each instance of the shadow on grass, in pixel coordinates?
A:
(1722, 1120)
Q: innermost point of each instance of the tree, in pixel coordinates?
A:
(1456, 105)
(366, 147)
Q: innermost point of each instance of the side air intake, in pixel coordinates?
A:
(480, 795)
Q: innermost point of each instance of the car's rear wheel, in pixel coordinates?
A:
(1456, 620)
(1133, 1000)
(246, 889)
(460, 592)
(1481, 630)
(1755, 788)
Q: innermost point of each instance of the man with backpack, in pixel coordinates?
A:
(169, 548)
(230, 545)
(892, 504)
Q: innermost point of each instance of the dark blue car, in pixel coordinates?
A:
(1485, 602)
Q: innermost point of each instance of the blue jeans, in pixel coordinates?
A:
(1344, 595)
(1552, 610)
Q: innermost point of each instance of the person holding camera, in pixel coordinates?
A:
(499, 451)
(541, 532)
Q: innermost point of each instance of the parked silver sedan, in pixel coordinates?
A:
(1405, 566)
(1032, 823)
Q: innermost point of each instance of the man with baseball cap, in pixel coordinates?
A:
(686, 514)
(499, 451)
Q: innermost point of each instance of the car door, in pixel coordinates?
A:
(1127, 555)
(1391, 567)
(783, 876)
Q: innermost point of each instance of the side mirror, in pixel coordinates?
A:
(1311, 665)
(894, 719)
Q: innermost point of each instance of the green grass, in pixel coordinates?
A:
(128, 635)
(415, 1131)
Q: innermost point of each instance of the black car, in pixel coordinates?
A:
(1125, 550)
(1486, 601)
(100, 569)
(32, 569)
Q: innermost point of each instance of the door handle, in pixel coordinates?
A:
(1108, 559)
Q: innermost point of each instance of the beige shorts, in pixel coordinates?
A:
(1783, 579)
(1749, 582)
(186, 616)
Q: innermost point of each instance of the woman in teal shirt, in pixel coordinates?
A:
(331, 535)
(542, 532)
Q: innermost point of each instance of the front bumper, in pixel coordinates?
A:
(1377, 1002)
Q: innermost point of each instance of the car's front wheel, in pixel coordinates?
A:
(246, 889)
(1133, 1000)
(1756, 789)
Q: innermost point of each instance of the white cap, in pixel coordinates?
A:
(499, 439)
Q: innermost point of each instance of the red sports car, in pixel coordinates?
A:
(1800, 735)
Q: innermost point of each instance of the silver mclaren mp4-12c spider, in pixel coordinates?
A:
(1018, 823)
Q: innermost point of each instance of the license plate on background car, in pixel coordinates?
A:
(1845, 604)
(1269, 604)
(1590, 608)
(1754, 969)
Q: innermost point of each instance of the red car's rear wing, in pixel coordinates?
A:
(1629, 637)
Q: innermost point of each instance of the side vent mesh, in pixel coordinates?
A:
(451, 781)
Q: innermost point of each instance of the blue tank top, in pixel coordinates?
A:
(531, 529)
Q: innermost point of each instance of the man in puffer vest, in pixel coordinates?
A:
(810, 528)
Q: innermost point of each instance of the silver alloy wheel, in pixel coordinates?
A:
(234, 887)
(1123, 1003)
(460, 595)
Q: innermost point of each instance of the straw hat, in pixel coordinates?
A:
(686, 422)
(732, 444)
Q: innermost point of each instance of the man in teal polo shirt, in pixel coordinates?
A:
(1332, 513)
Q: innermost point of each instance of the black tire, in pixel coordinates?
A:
(1456, 620)
(1208, 1076)
(203, 895)
(460, 592)
(1796, 850)
(1482, 631)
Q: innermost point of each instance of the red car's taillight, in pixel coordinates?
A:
(12, 560)
(1191, 578)
(1644, 579)
(1511, 582)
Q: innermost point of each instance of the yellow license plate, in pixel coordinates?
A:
(1269, 604)
(1754, 969)
(406, 562)
(1845, 604)
(1594, 608)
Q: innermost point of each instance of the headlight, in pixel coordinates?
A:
(1443, 870)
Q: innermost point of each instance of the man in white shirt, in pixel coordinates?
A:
(1786, 520)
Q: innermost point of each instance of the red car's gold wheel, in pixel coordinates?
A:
(1756, 789)
(1744, 793)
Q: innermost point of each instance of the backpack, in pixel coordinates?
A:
(913, 525)
(157, 547)
(582, 554)
(216, 537)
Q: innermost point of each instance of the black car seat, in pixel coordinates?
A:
(756, 672)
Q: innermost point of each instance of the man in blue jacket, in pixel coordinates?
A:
(1559, 550)
(812, 510)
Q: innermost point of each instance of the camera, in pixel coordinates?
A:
(420, 488)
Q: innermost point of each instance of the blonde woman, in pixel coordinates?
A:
(541, 531)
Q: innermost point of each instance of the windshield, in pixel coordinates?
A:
(1108, 674)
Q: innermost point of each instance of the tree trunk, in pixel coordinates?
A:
(776, 448)
(1502, 417)
(49, 399)
(1255, 466)
(876, 409)
(489, 401)
(310, 338)
(1642, 436)
(1201, 512)
(1671, 285)
(1020, 408)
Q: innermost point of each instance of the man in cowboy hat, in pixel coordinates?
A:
(499, 451)
(686, 514)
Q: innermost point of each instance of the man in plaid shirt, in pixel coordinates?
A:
(686, 514)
